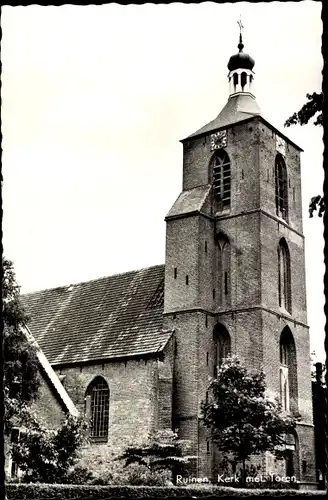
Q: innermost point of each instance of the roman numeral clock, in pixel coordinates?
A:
(219, 140)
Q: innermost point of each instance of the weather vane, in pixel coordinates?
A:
(241, 27)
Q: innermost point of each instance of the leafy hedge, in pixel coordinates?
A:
(38, 491)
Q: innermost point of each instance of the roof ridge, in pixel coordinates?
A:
(62, 287)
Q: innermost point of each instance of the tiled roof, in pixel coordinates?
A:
(113, 317)
(189, 201)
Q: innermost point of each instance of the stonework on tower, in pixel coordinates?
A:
(236, 232)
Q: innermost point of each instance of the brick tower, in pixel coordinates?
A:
(235, 274)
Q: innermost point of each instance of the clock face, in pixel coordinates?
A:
(280, 145)
(219, 140)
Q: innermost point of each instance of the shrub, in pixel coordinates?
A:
(47, 455)
(36, 491)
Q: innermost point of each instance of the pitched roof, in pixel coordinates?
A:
(113, 317)
(189, 201)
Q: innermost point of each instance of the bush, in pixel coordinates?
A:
(37, 491)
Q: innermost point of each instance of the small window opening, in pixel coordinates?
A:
(304, 466)
(213, 293)
(207, 359)
(235, 79)
(207, 447)
(243, 81)
(226, 291)
(175, 273)
(187, 279)
(206, 320)
(205, 246)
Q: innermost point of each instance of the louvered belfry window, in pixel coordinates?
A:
(99, 409)
(222, 178)
(281, 188)
(284, 276)
(222, 346)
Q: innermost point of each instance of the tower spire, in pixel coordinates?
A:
(241, 27)
(240, 68)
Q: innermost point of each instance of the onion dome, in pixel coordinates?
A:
(240, 60)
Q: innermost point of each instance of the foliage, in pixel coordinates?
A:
(242, 419)
(311, 109)
(317, 202)
(139, 475)
(163, 451)
(82, 492)
(21, 381)
(49, 455)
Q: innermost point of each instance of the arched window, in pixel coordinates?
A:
(221, 178)
(281, 187)
(97, 408)
(224, 285)
(222, 346)
(291, 455)
(288, 371)
(284, 277)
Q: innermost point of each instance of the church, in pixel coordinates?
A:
(136, 351)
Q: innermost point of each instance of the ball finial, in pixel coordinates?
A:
(241, 27)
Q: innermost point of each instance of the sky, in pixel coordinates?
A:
(95, 100)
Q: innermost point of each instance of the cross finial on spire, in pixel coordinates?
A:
(240, 24)
(241, 27)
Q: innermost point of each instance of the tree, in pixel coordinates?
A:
(311, 109)
(243, 421)
(48, 455)
(21, 380)
(163, 451)
(42, 454)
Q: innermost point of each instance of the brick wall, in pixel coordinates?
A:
(48, 406)
(253, 317)
(139, 391)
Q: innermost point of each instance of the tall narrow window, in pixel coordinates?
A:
(222, 346)
(222, 178)
(288, 371)
(224, 270)
(243, 81)
(284, 277)
(97, 408)
(281, 188)
(235, 81)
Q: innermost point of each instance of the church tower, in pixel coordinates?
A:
(235, 272)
